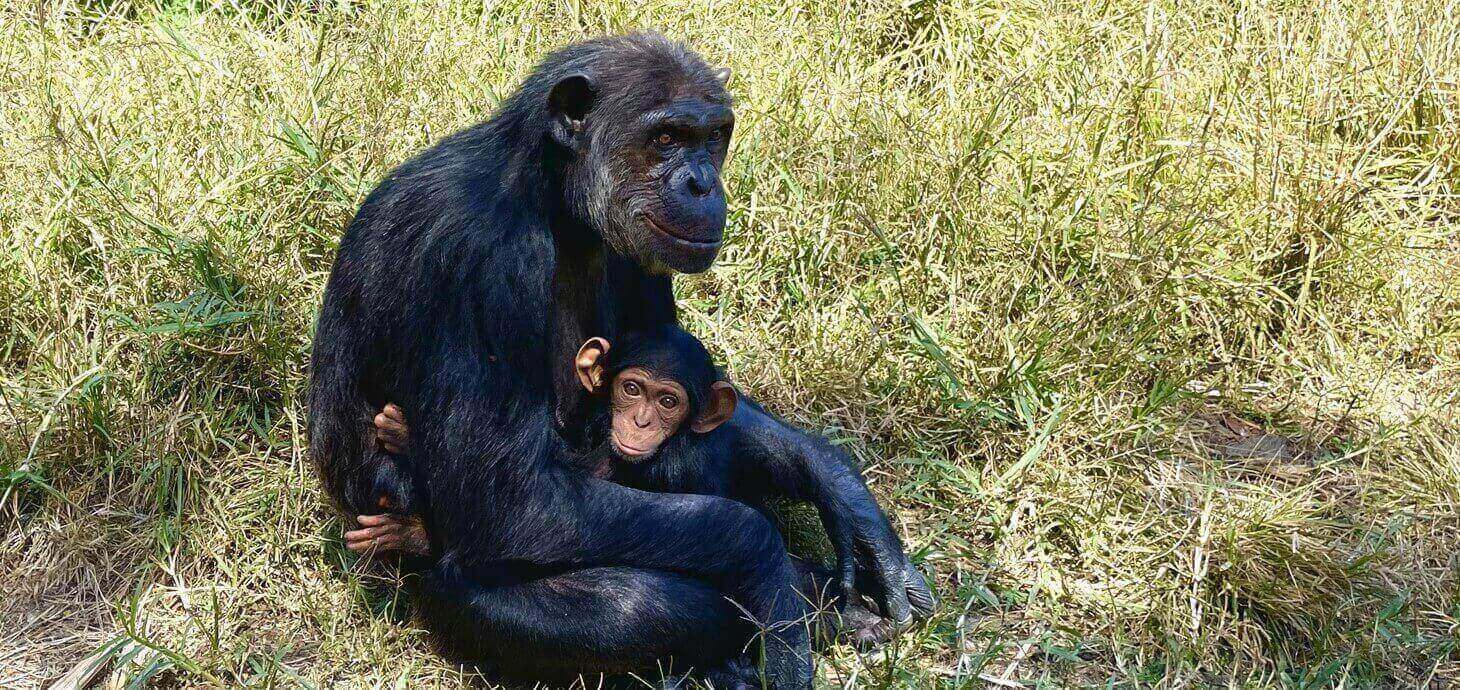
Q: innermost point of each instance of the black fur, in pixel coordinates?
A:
(467, 278)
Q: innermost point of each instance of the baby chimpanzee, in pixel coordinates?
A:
(644, 391)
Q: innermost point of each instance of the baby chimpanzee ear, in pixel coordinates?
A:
(590, 373)
(718, 409)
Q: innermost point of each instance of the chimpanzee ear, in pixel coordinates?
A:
(722, 75)
(590, 374)
(718, 409)
(568, 103)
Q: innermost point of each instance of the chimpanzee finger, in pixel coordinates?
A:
(882, 582)
(386, 427)
(390, 429)
(394, 414)
(373, 520)
(896, 607)
(846, 563)
(368, 533)
(360, 545)
(366, 546)
(387, 430)
(919, 593)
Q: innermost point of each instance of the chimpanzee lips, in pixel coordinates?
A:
(698, 245)
(631, 453)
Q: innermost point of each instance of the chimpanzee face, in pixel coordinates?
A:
(647, 404)
(672, 192)
(647, 144)
(647, 410)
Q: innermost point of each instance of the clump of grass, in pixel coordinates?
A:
(1024, 259)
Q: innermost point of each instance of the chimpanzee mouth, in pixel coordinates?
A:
(631, 453)
(698, 245)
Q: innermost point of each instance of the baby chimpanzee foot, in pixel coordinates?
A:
(399, 534)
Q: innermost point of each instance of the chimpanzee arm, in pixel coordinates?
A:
(775, 458)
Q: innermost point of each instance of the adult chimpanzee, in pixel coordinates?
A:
(465, 277)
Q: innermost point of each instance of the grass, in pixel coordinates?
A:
(1143, 317)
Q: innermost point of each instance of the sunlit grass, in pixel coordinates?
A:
(1053, 271)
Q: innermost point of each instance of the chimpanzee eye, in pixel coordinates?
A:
(664, 139)
(669, 402)
(631, 388)
(719, 134)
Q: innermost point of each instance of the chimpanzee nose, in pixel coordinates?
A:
(701, 180)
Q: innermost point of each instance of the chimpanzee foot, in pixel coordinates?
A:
(389, 534)
(735, 674)
(862, 628)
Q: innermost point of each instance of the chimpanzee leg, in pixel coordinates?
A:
(595, 620)
(728, 545)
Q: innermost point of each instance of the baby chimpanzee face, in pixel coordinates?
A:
(655, 383)
(647, 410)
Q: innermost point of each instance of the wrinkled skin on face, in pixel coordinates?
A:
(673, 188)
(647, 410)
(649, 162)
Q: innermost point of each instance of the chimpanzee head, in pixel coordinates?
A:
(655, 383)
(643, 126)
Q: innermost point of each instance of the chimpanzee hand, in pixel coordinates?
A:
(871, 563)
(399, 527)
(801, 466)
(391, 430)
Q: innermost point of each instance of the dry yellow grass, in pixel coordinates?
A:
(1142, 315)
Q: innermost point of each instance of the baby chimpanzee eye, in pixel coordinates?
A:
(669, 402)
(631, 388)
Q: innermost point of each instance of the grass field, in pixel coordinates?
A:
(1143, 317)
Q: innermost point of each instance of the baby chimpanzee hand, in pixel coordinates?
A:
(396, 529)
(391, 429)
(389, 533)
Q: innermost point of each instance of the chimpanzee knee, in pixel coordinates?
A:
(760, 561)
